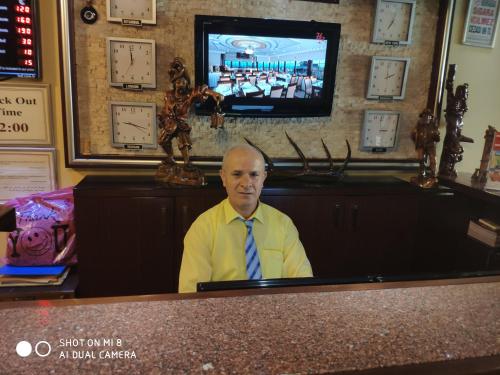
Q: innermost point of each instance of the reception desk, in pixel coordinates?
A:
(439, 326)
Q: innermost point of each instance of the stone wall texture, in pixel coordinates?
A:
(174, 36)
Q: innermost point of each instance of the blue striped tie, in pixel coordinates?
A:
(253, 264)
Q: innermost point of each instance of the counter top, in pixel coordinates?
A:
(463, 183)
(322, 329)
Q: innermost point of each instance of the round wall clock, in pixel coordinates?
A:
(388, 76)
(131, 12)
(131, 63)
(133, 125)
(380, 130)
(394, 21)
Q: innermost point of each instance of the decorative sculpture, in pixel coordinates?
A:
(173, 124)
(481, 173)
(425, 135)
(330, 175)
(456, 106)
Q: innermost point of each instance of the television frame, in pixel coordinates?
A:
(35, 26)
(268, 107)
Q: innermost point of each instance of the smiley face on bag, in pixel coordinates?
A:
(35, 241)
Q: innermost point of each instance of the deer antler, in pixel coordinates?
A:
(305, 163)
(270, 164)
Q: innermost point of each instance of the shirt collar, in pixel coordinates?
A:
(231, 214)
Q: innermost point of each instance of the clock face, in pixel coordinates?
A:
(394, 21)
(131, 63)
(132, 12)
(388, 77)
(380, 130)
(133, 125)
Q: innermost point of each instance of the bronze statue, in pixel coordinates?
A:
(481, 173)
(425, 135)
(173, 124)
(456, 106)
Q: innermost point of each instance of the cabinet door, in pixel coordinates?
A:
(124, 245)
(187, 209)
(320, 222)
(381, 231)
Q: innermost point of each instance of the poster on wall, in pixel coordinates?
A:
(25, 115)
(26, 171)
(481, 23)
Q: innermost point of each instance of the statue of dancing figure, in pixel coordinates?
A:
(173, 124)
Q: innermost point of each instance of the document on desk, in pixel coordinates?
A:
(26, 171)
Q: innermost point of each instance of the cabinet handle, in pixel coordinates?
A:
(337, 215)
(354, 216)
(184, 218)
(163, 220)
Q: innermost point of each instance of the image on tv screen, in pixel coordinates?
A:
(246, 66)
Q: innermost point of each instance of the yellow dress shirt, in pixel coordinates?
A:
(214, 247)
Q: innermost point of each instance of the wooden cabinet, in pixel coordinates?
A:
(130, 230)
(124, 245)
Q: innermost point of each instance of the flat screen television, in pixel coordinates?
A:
(19, 39)
(266, 67)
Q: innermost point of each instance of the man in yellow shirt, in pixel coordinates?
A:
(242, 238)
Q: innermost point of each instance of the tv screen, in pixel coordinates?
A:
(267, 68)
(19, 52)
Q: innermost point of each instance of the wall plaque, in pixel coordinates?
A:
(26, 171)
(25, 115)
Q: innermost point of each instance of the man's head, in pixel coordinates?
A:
(243, 174)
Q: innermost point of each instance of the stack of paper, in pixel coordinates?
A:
(486, 231)
(32, 275)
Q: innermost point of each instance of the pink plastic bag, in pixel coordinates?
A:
(45, 233)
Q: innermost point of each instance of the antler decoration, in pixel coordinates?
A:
(332, 172)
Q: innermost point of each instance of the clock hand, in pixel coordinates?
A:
(131, 57)
(135, 125)
(392, 22)
(389, 76)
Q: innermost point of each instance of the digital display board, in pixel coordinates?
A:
(19, 50)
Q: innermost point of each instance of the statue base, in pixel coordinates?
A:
(174, 174)
(424, 182)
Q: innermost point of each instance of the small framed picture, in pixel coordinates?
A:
(25, 116)
(25, 171)
(481, 23)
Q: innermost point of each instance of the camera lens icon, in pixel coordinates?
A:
(24, 348)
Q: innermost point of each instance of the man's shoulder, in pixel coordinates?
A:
(212, 213)
(272, 213)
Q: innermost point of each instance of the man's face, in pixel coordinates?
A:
(243, 176)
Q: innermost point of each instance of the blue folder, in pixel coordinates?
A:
(9, 270)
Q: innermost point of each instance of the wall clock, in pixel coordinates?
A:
(394, 22)
(132, 12)
(133, 125)
(388, 77)
(131, 63)
(380, 130)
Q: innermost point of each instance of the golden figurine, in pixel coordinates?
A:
(480, 174)
(173, 124)
(425, 135)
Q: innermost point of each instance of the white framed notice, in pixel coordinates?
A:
(25, 171)
(25, 116)
(481, 23)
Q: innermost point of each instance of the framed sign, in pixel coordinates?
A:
(25, 115)
(481, 23)
(24, 171)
